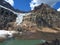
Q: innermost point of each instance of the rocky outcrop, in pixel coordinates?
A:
(44, 16)
(6, 17)
(53, 42)
(5, 4)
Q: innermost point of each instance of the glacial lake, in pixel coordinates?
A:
(22, 42)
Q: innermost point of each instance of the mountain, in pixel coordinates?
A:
(6, 17)
(44, 15)
(43, 7)
(5, 4)
(42, 23)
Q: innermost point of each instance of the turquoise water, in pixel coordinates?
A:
(22, 42)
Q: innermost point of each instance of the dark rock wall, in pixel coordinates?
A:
(44, 15)
(6, 17)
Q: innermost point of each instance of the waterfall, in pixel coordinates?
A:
(19, 18)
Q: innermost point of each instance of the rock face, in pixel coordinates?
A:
(6, 17)
(43, 22)
(5, 4)
(45, 16)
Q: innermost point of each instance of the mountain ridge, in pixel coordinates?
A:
(42, 23)
(42, 16)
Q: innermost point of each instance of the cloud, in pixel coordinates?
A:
(11, 2)
(34, 3)
(58, 9)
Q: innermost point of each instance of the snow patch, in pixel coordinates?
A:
(11, 2)
(4, 33)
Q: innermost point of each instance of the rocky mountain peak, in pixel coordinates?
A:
(6, 4)
(44, 16)
(43, 7)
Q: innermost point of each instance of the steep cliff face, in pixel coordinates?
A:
(42, 23)
(6, 16)
(47, 16)
(42, 16)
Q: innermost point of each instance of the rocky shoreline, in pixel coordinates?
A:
(53, 42)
